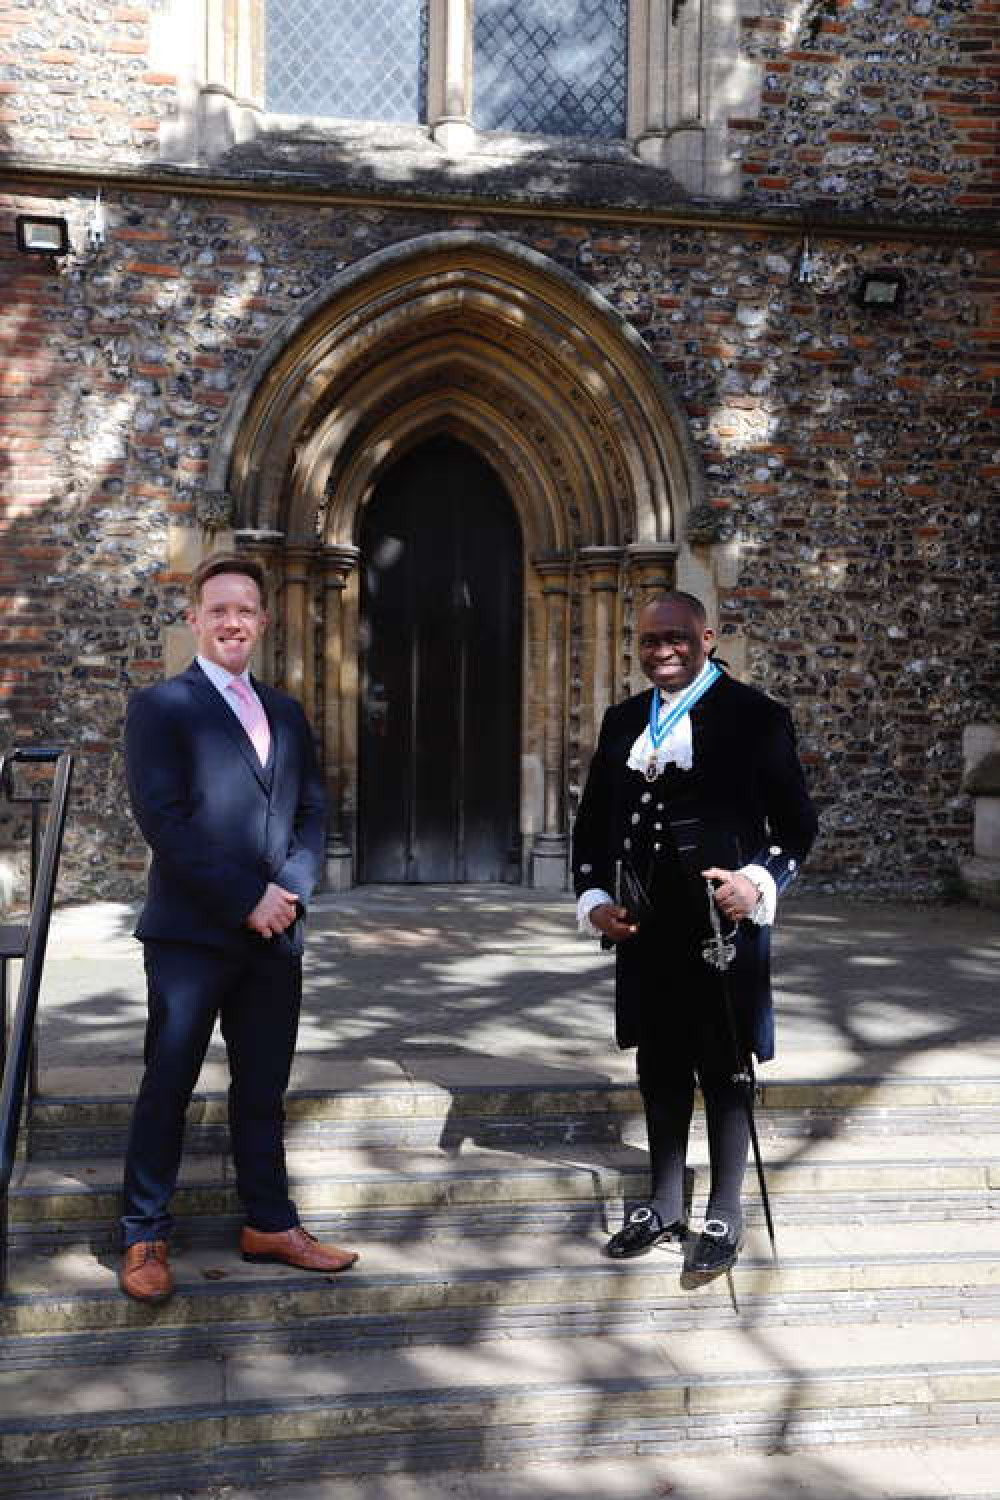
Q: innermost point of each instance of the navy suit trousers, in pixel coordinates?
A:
(255, 991)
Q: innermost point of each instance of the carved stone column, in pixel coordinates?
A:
(652, 568)
(265, 548)
(601, 569)
(300, 635)
(450, 74)
(548, 856)
(339, 713)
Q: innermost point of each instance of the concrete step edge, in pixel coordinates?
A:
(469, 1159)
(934, 1385)
(662, 1261)
(301, 1301)
(937, 1208)
(587, 1097)
(386, 1467)
(423, 1132)
(487, 1184)
(928, 1471)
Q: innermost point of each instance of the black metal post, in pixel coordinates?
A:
(28, 943)
(4, 1197)
(36, 805)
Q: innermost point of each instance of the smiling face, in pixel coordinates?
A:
(674, 643)
(228, 620)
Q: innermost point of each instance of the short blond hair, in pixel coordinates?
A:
(227, 562)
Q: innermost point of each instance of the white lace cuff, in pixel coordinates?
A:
(585, 905)
(767, 901)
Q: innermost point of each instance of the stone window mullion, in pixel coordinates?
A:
(255, 63)
(234, 34)
(666, 87)
(647, 60)
(449, 73)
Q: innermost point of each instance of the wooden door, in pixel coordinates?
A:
(441, 672)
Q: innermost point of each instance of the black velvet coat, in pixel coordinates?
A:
(744, 801)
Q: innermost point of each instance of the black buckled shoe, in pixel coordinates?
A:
(716, 1249)
(641, 1231)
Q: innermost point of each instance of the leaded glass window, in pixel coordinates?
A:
(551, 67)
(347, 59)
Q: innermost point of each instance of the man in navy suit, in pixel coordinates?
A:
(224, 785)
(695, 781)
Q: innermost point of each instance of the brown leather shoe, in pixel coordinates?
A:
(145, 1273)
(294, 1247)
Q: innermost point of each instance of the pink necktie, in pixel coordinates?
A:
(252, 717)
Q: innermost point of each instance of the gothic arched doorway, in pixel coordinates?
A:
(439, 733)
(474, 336)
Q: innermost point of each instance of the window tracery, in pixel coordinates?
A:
(663, 76)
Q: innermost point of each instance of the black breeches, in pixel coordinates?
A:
(667, 1072)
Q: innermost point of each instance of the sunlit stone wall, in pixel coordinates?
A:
(850, 458)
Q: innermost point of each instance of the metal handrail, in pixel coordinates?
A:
(44, 868)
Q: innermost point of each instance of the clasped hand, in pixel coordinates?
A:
(276, 910)
(735, 895)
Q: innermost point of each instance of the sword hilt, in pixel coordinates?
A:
(720, 950)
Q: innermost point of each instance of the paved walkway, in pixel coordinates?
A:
(471, 984)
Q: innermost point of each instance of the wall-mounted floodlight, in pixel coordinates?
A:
(882, 291)
(38, 235)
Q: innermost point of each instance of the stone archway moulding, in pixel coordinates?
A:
(477, 336)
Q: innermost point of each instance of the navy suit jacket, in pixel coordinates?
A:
(220, 825)
(744, 802)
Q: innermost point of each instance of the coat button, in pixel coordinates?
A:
(636, 817)
(657, 847)
(627, 843)
(646, 797)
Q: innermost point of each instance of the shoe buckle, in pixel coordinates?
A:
(716, 1229)
(640, 1216)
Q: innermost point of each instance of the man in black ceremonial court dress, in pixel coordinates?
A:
(694, 781)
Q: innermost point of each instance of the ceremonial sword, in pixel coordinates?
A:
(719, 953)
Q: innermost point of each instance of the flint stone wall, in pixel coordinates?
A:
(851, 460)
(863, 104)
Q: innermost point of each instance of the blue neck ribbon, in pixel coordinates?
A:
(657, 731)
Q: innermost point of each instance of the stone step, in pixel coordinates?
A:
(278, 1416)
(848, 1471)
(436, 1288)
(418, 1114)
(937, 1209)
(88, 1187)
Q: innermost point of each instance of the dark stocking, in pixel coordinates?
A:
(668, 1100)
(728, 1142)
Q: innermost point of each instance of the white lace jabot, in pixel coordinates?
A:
(675, 748)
